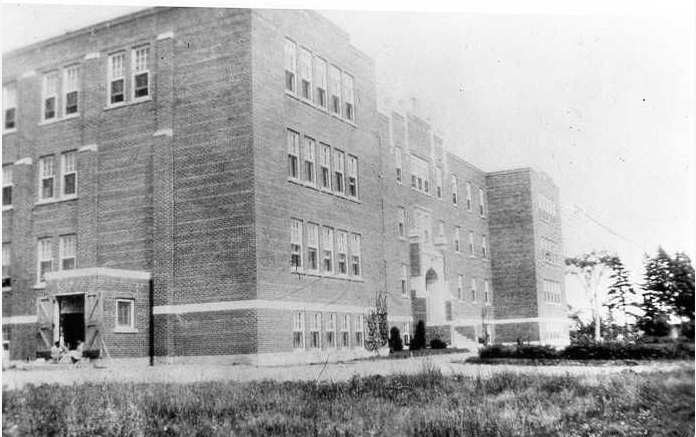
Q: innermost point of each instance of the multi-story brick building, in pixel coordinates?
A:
(219, 183)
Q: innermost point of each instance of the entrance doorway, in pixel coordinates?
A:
(71, 322)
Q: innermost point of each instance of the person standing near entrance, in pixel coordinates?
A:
(76, 355)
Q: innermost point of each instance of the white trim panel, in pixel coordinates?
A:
(93, 55)
(472, 322)
(165, 35)
(88, 148)
(23, 161)
(256, 304)
(18, 320)
(164, 133)
(99, 271)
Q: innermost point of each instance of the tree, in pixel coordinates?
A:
(621, 294)
(377, 327)
(589, 269)
(395, 342)
(418, 341)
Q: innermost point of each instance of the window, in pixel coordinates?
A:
(68, 250)
(293, 139)
(484, 247)
(314, 331)
(552, 291)
(6, 265)
(345, 330)
(312, 246)
(397, 162)
(359, 328)
(45, 258)
(471, 244)
(298, 325)
(355, 254)
(310, 157)
(454, 189)
(468, 196)
(50, 95)
(116, 78)
(419, 174)
(348, 97)
(457, 238)
(325, 163)
(342, 243)
(441, 229)
(46, 172)
(331, 330)
(320, 80)
(550, 251)
(290, 65)
(547, 209)
(404, 280)
(460, 287)
(352, 176)
(296, 244)
(71, 89)
(407, 333)
(339, 171)
(402, 222)
(327, 242)
(487, 292)
(473, 290)
(141, 72)
(306, 74)
(335, 80)
(7, 185)
(9, 106)
(438, 182)
(482, 203)
(69, 173)
(124, 314)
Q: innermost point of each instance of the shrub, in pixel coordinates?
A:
(395, 342)
(520, 351)
(436, 343)
(418, 340)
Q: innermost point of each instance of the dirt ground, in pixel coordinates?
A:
(186, 373)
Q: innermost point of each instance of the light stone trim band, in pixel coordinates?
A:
(19, 320)
(165, 35)
(93, 55)
(28, 74)
(98, 271)
(256, 304)
(23, 161)
(474, 322)
(89, 148)
(164, 132)
(399, 319)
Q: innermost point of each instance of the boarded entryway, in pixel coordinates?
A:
(71, 310)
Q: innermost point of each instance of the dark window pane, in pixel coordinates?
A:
(69, 184)
(69, 264)
(117, 91)
(47, 188)
(71, 102)
(10, 118)
(6, 196)
(50, 108)
(142, 85)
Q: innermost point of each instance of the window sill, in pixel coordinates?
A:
(4, 289)
(125, 330)
(58, 120)
(319, 108)
(322, 190)
(9, 131)
(6, 208)
(317, 274)
(39, 286)
(129, 103)
(55, 200)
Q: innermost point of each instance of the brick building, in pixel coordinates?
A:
(219, 184)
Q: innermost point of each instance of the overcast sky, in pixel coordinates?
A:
(603, 103)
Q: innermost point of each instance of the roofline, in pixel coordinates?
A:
(510, 171)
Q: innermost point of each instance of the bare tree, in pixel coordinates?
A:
(589, 269)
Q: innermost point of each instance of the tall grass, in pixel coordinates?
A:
(425, 404)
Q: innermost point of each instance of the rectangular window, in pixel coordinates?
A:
(293, 140)
(407, 333)
(325, 164)
(454, 189)
(487, 292)
(550, 251)
(359, 328)
(327, 242)
(402, 222)
(315, 331)
(473, 290)
(6, 265)
(482, 203)
(310, 157)
(68, 252)
(298, 330)
(348, 97)
(404, 280)
(457, 239)
(296, 245)
(397, 162)
(352, 176)
(468, 196)
(116, 78)
(69, 172)
(124, 314)
(50, 95)
(339, 171)
(141, 72)
(460, 287)
(552, 291)
(331, 330)
(47, 175)
(9, 106)
(438, 182)
(484, 247)
(45, 258)
(355, 254)
(547, 209)
(345, 330)
(7, 185)
(306, 74)
(71, 89)
(312, 246)
(290, 65)
(420, 177)
(335, 81)
(471, 244)
(342, 247)
(441, 229)
(320, 80)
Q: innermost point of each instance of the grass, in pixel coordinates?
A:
(425, 404)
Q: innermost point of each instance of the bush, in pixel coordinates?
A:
(614, 350)
(395, 342)
(436, 343)
(520, 351)
(418, 340)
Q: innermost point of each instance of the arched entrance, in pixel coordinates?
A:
(434, 306)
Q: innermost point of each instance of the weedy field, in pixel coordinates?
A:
(425, 404)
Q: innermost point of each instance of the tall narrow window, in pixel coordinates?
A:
(471, 244)
(339, 171)
(348, 97)
(298, 328)
(460, 287)
(331, 330)
(71, 89)
(473, 290)
(397, 162)
(327, 242)
(359, 327)
(116, 79)
(290, 65)
(345, 330)
(9, 106)
(50, 95)
(404, 280)
(335, 80)
(355, 254)
(438, 182)
(402, 222)
(482, 203)
(454, 189)
(310, 157)
(325, 163)
(46, 171)
(45, 258)
(468, 196)
(69, 172)
(6, 265)
(312, 246)
(420, 174)
(342, 247)
(293, 139)
(320, 80)
(487, 292)
(306, 74)
(7, 185)
(484, 247)
(457, 238)
(68, 252)
(352, 176)
(296, 244)
(441, 229)
(141, 72)
(314, 331)
(124, 314)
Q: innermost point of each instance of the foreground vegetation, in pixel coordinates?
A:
(610, 350)
(426, 404)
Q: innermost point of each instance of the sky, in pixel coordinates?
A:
(601, 98)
